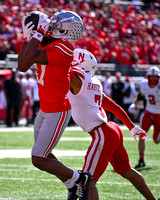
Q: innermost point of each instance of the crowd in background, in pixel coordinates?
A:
(125, 34)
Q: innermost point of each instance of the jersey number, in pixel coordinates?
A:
(97, 99)
(151, 99)
(40, 80)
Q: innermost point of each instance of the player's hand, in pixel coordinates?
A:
(27, 30)
(140, 132)
(43, 23)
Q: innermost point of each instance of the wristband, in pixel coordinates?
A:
(132, 127)
(38, 36)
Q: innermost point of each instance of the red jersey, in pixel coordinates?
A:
(53, 79)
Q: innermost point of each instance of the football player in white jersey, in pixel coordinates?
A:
(150, 91)
(88, 100)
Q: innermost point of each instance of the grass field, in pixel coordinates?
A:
(19, 180)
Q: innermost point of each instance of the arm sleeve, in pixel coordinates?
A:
(109, 105)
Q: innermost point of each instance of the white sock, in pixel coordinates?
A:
(75, 176)
(69, 183)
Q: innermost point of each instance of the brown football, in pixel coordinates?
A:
(34, 17)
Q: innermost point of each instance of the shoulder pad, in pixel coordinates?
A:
(79, 72)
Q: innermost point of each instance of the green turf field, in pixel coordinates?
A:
(19, 180)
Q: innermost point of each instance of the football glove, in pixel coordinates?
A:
(43, 23)
(27, 30)
(140, 132)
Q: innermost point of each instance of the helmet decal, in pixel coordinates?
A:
(85, 60)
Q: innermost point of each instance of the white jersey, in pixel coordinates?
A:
(152, 96)
(86, 105)
(30, 86)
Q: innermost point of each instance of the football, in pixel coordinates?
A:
(34, 17)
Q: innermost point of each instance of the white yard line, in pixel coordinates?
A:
(20, 129)
(26, 153)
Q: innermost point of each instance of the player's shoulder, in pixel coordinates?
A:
(158, 85)
(158, 88)
(95, 79)
(64, 46)
(67, 43)
(81, 73)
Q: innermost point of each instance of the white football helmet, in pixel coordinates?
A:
(85, 60)
(153, 71)
(153, 75)
(66, 25)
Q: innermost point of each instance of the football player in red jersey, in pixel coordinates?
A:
(150, 92)
(88, 103)
(50, 47)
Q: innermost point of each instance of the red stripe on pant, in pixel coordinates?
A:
(56, 133)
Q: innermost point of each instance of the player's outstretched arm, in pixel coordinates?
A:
(110, 105)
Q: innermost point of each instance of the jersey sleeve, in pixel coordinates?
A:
(79, 72)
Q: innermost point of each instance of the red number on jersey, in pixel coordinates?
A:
(97, 99)
(40, 75)
(151, 99)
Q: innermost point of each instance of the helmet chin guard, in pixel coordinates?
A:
(66, 25)
(85, 60)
